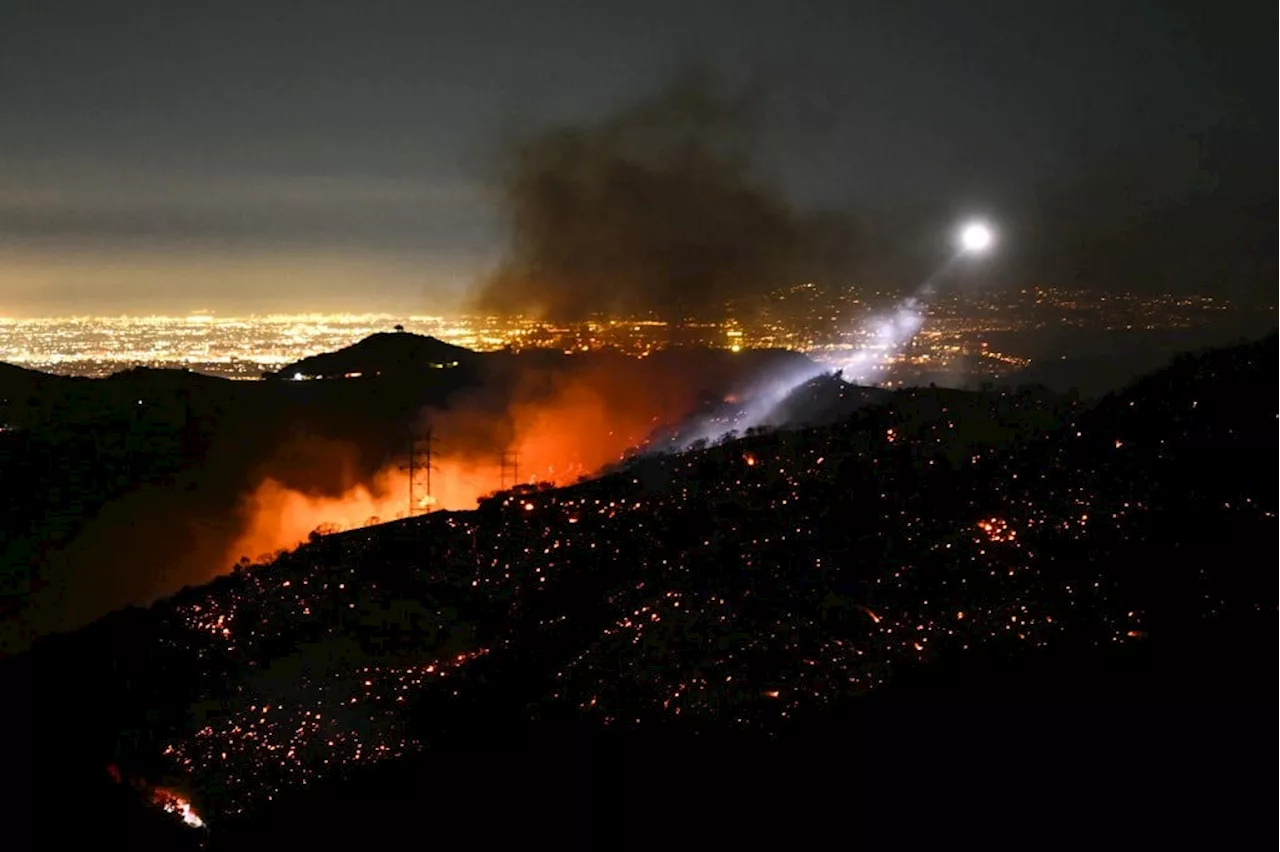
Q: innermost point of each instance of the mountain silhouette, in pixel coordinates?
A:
(380, 354)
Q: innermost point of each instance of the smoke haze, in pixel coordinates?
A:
(655, 210)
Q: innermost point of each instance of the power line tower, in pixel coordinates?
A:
(510, 462)
(419, 468)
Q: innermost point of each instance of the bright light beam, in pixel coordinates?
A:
(889, 335)
(894, 331)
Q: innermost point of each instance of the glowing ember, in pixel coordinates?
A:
(997, 529)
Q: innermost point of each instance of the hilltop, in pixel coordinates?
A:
(794, 587)
(389, 353)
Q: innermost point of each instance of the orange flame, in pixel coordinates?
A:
(175, 803)
(587, 422)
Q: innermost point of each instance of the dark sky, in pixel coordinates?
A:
(274, 155)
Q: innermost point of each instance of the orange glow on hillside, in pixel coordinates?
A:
(584, 423)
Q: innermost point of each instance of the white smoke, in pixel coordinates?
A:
(889, 333)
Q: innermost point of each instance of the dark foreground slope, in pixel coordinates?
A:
(880, 629)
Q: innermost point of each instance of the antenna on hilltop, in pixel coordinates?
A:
(420, 467)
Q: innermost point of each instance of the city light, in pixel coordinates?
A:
(836, 327)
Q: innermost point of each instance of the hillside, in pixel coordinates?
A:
(791, 587)
(18, 381)
(30, 397)
(108, 478)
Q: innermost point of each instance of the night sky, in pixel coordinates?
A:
(271, 155)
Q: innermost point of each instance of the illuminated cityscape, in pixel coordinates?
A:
(987, 331)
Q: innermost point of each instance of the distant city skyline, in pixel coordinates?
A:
(963, 339)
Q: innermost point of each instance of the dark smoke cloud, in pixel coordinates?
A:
(655, 210)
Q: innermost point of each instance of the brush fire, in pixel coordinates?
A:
(557, 435)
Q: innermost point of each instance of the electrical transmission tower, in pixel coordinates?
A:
(510, 462)
(419, 467)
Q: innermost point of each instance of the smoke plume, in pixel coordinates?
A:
(655, 210)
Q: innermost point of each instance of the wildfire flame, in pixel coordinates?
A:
(588, 422)
(173, 803)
